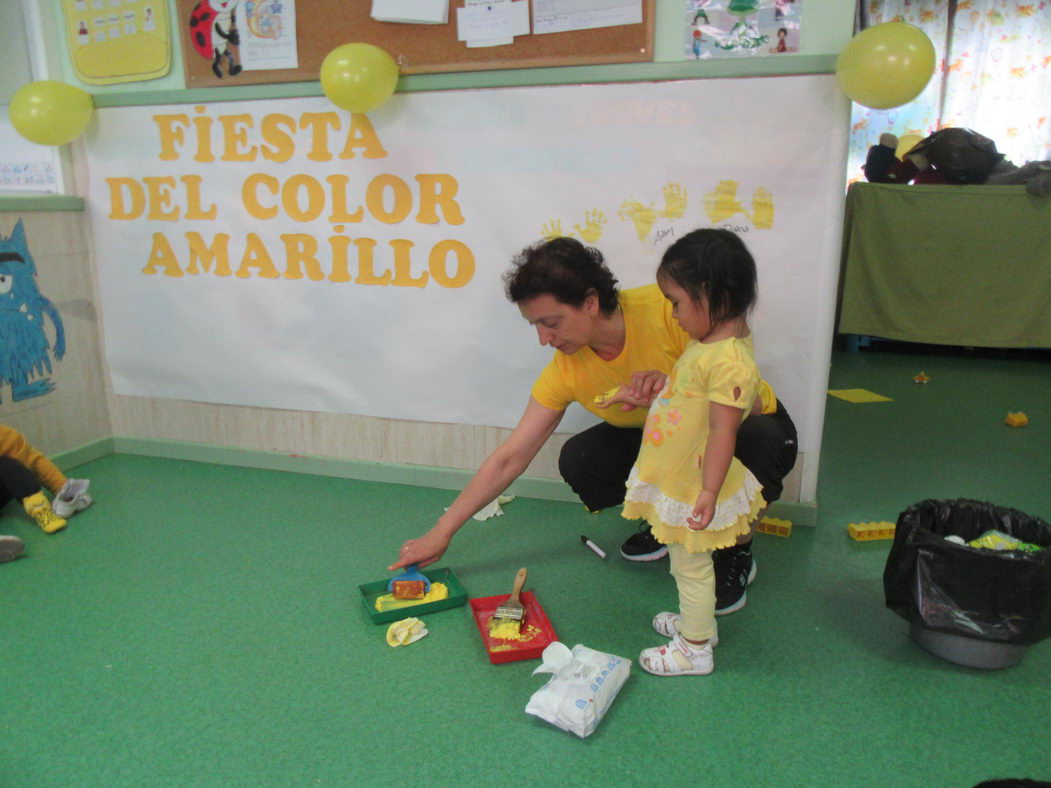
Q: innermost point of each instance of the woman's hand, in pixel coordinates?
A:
(423, 551)
(703, 511)
(645, 386)
(640, 393)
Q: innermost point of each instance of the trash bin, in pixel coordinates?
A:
(973, 606)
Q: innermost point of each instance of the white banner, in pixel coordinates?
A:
(285, 254)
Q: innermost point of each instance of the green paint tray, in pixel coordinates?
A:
(370, 592)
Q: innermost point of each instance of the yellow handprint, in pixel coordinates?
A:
(592, 229)
(762, 209)
(674, 201)
(722, 203)
(642, 215)
(553, 229)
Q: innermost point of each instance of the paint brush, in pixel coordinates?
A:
(507, 620)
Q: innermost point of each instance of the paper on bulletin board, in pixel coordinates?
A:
(112, 41)
(414, 12)
(558, 16)
(267, 31)
(741, 28)
(477, 31)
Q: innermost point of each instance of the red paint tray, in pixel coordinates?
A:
(535, 625)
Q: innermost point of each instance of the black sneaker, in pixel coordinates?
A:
(643, 546)
(734, 570)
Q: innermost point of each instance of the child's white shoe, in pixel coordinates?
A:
(72, 498)
(678, 658)
(667, 624)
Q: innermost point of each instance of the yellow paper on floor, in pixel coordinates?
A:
(858, 395)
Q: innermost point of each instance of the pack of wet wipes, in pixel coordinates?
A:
(581, 689)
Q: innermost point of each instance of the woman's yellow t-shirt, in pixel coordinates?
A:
(653, 340)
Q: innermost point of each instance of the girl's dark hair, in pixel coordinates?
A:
(565, 269)
(715, 264)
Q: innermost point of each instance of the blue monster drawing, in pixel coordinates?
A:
(23, 344)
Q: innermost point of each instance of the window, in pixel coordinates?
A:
(993, 75)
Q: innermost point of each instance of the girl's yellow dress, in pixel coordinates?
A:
(666, 480)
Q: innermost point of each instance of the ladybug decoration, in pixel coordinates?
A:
(213, 31)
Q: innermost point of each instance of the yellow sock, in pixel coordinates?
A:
(39, 508)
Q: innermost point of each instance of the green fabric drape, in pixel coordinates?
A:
(947, 265)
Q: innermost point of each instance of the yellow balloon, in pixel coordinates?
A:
(886, 66)
(906, 143)
(50, 113)
(358, 77)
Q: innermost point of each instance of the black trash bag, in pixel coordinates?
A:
(1002, 596)
(961, 155)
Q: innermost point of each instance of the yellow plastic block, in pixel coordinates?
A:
(1018, 419)
(865, 532)
(775, 526)
(921, 377)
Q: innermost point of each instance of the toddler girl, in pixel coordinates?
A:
(686, 481)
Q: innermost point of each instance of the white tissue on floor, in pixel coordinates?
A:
(492, 509)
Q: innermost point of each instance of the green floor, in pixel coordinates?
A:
(201, 625)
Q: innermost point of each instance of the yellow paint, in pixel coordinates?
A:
(505, 628)
(675, 201)
(722, 203)
(591, 230)
(523, 635)
(388, 602)
(642, 216)
(606, 395)
(762, 209)
(552, 229)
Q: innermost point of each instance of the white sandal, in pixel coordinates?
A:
(667, 624)
(678, 658)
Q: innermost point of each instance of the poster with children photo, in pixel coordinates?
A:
(741, 28)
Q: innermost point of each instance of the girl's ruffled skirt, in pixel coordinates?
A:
(667, 516)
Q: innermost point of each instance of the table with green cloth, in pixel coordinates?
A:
(947, 265)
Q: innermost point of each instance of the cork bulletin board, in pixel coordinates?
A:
(322, 25)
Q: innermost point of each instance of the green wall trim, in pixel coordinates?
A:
(95, 450)
(466, 80)
(40, 202)
(390, 473)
